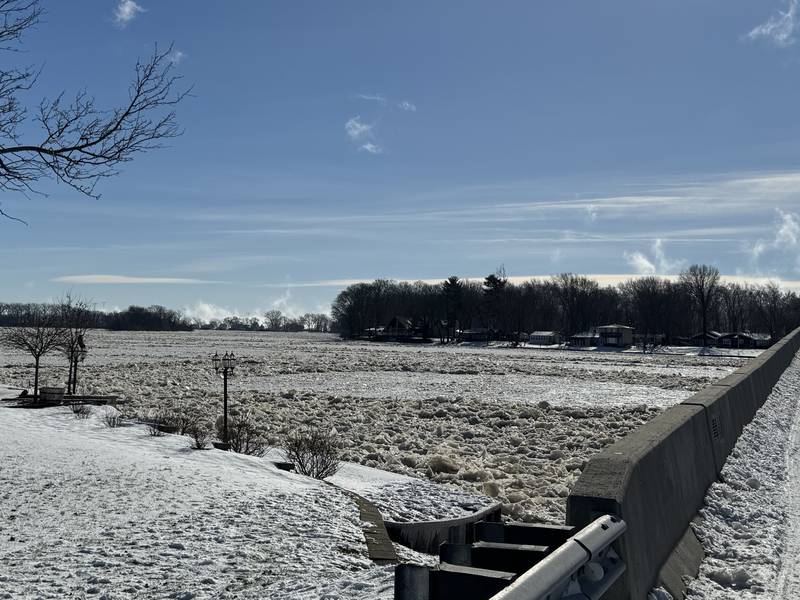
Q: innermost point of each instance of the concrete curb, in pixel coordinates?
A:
(656, 478)
(427, 536)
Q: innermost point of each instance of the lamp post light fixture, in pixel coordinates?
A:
(224, 364)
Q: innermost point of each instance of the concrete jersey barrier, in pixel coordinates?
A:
(656, 478)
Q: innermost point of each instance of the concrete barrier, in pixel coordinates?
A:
(656, 478)
(427, 536)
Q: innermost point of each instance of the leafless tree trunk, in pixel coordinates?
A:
(79, 143)
(702, 283)
(76, 318)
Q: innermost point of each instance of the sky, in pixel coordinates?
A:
(327, 143)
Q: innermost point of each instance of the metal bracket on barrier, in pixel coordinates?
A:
(585, 566)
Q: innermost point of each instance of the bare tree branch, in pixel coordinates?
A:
(81, 143)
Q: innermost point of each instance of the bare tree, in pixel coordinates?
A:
(702, 283)
(76, 317)
(41, 332)
(79, 143)
(274, 320)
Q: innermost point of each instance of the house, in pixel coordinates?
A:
(711, 338)
(544, 338)
(585, 339)
(744, 339)
(399, 327)
(619, 336)
(478, 334)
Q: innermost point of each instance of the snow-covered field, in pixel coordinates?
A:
(750, 526)
(92, 512)
(514, 424)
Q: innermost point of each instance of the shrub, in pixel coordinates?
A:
(80, 410)
(200, 433)
(314, 451)
(111, 416)
(155, 420)
(183, 420)
(246, 434)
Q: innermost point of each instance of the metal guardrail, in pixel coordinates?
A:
(585, 566)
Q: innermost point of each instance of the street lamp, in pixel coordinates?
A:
(224, 364)
(80, 356)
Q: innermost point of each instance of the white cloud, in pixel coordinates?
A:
(357, 130)
(640, 263)
(407, 106)
(660, 264)
(779, 28)
(782, 251)
(371, 148)
(372, 98)
(176, 56)
(205, 312)
(591, 213)
(126, 11)
(124, 279)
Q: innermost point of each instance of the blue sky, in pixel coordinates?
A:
(339, 141)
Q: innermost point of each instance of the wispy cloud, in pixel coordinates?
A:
(357, 130)
(407, 106)
(372, 98)
(176, 57)
(126, 280)
(126, 11)
(780, 28)
(371, 148)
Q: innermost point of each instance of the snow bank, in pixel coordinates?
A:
(88, 511)
(750, 526)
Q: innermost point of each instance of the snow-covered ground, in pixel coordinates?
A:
(516, 425)
(750, 526)
(89, 511)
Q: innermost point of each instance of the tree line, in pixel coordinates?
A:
(697, 301)
(160, 318)
(272, 320)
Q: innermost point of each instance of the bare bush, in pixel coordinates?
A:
(155, 420)
(314, 451)
(111, 416)
(183, 420)
(246, 433)
(80, 410)
(201, 433)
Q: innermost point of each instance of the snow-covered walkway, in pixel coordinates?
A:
(88, 511)
(750, 526)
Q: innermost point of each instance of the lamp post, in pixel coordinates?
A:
(80, 356)
(224, 364)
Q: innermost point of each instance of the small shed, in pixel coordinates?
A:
(478, 334)
(545, 338)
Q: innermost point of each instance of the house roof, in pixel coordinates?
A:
(613, 326)
(545, 333)
(585, 334)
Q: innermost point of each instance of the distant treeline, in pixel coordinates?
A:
(159, 318)
(570, 304)
(272, 320)
(133, 318)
